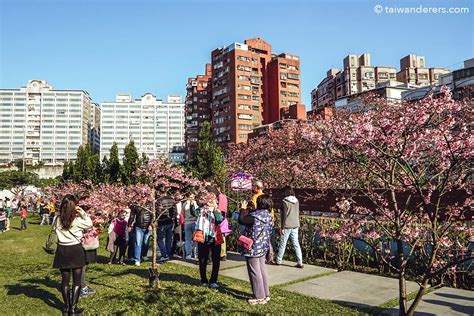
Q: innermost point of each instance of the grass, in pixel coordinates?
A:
(28, 286)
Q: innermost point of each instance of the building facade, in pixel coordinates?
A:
(413, 71)
(284, 85)
(358, 75)
(42, 124)
(198, 108)
(460, 81)
(156, 126)
(248, 87)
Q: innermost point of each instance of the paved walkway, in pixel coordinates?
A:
(445, 301)
(286, 272)
(349, 288)
(352, 288)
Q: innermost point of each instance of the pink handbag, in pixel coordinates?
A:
(90, 241)
(245, 242)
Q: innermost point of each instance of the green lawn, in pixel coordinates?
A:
(28, 286)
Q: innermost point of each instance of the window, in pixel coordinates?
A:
(243, 87)
(293, 85)
(243, 97)
(244, 107)
(243, 58)
(244, 68)
(293, 76)
(245, 116)
(243, 136)
(290, 67)
(245, 127)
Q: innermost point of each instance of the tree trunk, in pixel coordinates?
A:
(419, 295)
(154, 280)
(402, 290)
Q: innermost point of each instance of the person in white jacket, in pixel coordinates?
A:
(70, 257)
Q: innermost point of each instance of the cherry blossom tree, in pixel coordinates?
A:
(156, 179)
(407, 159)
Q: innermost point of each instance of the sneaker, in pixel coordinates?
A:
(86, 291)
(137, 263)
(224, 258)
(256, 301)
(300, 265)
(214, 286)
(204, 285)
(89, 290)
(163, 259)
(188, 257)
(267, 299)
(275, 263)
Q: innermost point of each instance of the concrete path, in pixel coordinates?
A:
(233, 260)
(287, 272)
(351, 288)
(445, 301)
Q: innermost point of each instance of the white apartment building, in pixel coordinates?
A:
(156, 126)
(39, 123)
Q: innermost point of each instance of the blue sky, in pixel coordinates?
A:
(107, 47)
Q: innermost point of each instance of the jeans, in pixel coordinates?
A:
(293, 234)
(188, 238)
(142, 237)
(23, 223)
(203, 255)
(165, 239)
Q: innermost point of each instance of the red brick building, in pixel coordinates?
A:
(198, 110)
(248, 87)
(284, 85)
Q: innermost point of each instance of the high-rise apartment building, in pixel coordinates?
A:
(156, 126)
(42, 124)
(358, 75)
(198, 107)
(239, 89)
(249, 87)
(284, 85)
(413, 71)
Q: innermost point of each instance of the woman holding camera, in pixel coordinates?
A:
(70, 256)
(258, 227)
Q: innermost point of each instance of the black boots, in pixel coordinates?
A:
(67, 299)
(76, 292)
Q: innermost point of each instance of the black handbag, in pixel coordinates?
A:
(51, 243)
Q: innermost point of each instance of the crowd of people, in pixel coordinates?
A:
(186, 229)
(10, 208)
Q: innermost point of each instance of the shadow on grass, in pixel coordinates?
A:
(173, 277)
(33, 288)
(362, 308)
